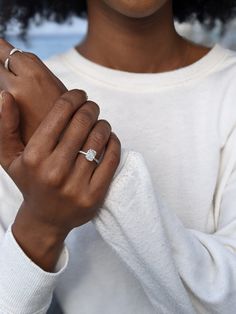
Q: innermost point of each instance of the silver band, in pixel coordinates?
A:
(7, 62)
(90, 155)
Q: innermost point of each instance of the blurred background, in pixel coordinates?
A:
(51, 38)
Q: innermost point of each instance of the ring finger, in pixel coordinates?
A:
(76, 133)
(97, 141)
(17, 61)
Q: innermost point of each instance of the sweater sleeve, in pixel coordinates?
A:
(181, 270)
(25, 288)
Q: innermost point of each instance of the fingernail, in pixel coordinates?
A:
(1, 100)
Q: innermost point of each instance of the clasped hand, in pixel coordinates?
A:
(42, 128)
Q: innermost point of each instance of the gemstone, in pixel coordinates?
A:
(90, 155)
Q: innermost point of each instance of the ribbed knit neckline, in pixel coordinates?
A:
(146, 81)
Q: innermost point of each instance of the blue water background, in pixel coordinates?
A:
(46, 45)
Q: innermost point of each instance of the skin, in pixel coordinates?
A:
(28, 82)
(61, 189)
(145, 37)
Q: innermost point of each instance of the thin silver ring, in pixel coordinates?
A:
(7, 61)
(90, 155)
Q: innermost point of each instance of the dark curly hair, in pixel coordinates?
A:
(25, 11)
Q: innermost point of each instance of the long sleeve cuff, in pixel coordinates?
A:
(25, 288)
(182, 270)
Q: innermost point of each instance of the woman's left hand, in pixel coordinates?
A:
(34, 87)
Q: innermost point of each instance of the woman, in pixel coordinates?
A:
(162, 236)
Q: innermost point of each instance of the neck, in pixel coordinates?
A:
(149, 44)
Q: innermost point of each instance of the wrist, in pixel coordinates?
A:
(41, 242)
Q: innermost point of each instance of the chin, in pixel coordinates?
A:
(136, 8)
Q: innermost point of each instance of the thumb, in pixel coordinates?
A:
(11, 145)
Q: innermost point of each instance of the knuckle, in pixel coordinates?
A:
(80, 199)
(30, 158)
(53, 177)
(63, 104)
(67, 191)
(86, 202)
(32, 56)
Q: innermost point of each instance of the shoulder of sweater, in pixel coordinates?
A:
(228, 65)
(224, 82)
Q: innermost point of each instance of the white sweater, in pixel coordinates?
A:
(165, 240)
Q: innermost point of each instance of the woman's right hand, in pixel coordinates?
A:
(61, 189)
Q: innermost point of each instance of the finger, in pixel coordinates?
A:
(76, 133)
(97, 140)
(104, 173)
(47, 135)
(6, 78)
(11, 145)
(19, 63)
(5, 49)
(23, 63)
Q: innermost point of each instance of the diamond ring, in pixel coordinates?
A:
(6, 63)
(90, 155)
